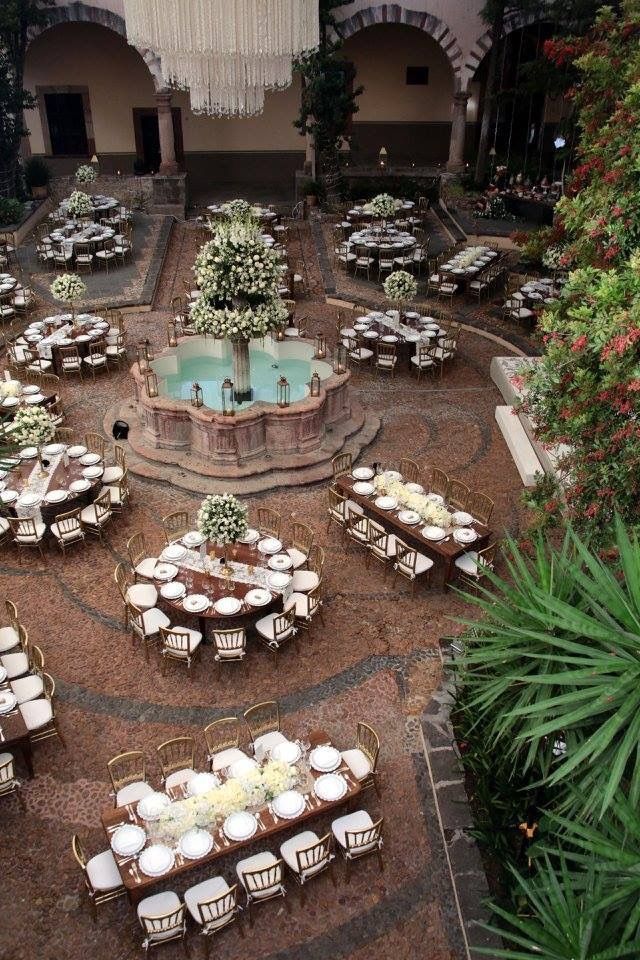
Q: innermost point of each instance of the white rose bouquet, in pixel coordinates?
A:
(246, 323)
(85, 174)
(68, 287)
(277, 777)
(222, 519)
(79, 204)
(33, 426)
(400, 286)
(383, 206)
(10, 388)
(432, 513)
(237, 209)
(236, 263)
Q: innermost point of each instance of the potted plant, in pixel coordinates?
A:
(312, 191)
(37, 176)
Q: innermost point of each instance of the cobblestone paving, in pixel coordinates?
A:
(374, 660)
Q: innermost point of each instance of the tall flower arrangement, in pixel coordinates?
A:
(69, 288)
(79, 204)
(222, 519)
(237, 209)
(400, 286)
(32, 426)
(85, 173)
(383, 206)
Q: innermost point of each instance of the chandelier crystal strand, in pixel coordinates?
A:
(226, 52)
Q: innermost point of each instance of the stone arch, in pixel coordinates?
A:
(78, 12)
(514, 21)
(395, 13)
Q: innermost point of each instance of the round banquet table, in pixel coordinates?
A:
(7, 284)
(398, 240)
(54, 332)
(69, 236)
(215, 587)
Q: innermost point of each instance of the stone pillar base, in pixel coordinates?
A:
(169, 195)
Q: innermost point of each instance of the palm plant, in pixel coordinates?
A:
(565, 920)
(556, 655)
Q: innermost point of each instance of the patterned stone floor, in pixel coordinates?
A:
(376, 660)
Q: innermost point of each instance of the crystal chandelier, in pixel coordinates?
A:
(226, 52)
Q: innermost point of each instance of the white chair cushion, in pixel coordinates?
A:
(142, 595)
(301, 842)
(28, 688)
(357, 762)
(301, 602)
(390, 551)
(4, 525)
(132, 793)
(70, 363)
(8, 638)
(422, 564)
(259, 861)
(113, 350)
(265, 742)
(179, 776)
(386, 361)
(15, 664)
(89, 515)
(299, 558)
(103, 872)
(201, 893)
(195, 639)
(153, 619)
(266, 627)
(112, 474)
(225, 758)
(29, 538)
(96, 360)
(146, 567)
(424, 362)
(352, 823)
(36, 713)
(469, 562)
(75, 533)
(160, 905)
(304, 580)
(114, 493)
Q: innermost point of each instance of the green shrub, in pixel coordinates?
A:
(10, 211)
(36, 172)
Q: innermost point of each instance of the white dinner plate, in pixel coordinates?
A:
(128, 839)
(270, 545)
(8, 496)
(227, 606)
(83, 338)
(435, 498)
(174, 552)
(10, 402)
(461, 519)
(201, 783)
(362, 473)
(173, 590)
(289, 804)
(250, 536)
(165, 571)
(278, 581)
(371, 334)
(29, 500)
(151, 806)
(29, 389)
(363, 488)
(257, 597)
(195, 843)
(240, 826)
(92, 473)
(389, 338)
(90, 459)
(433, 533)
(393, 475)
(53, 449)
(76, 451)
(196, 603)
(325, 759)
(409, 517)
(330, 786)
(156, 860)
(239, 767)
(28, 453)
(465, 535)
(386, 503)
(8, 701)
(55, 496)
(415, 488)
(3, 674)
(288, 751)
(79, 486)
(194, 538)
(281, 561)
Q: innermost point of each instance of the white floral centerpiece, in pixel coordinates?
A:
(10, 388)
(85, 173)
(33, 427)
(68, 287)
(79, 204)
(383, 206)
(238, 276)
(222, 518)
(432, 513)
(237, 209)
(400, 286)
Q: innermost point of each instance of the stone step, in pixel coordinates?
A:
(520, 447)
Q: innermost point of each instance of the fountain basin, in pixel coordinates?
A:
(259, 429)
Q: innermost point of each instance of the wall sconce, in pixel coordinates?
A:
(151, 384)
(283, 392)
(143, 359)
(172, 334)
(314, 385)
(382, 156)
(228, 407)
(321, 347)
(197, 399)
(340, 359)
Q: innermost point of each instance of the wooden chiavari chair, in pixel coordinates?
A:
(457, 495)
(144, 596)
(27, 532)
(67, 529)
(380, 545)
(269, 522)
(362, 760)
(386, 359)
(480, 506)
(97, 515)
(64, 435)
(96, 359)
(307, 856)
(341, 464)
(162, 918)
(302, 538)
(180, 644)
(145, 625)
(222, 738)
(115, 471)
(213, 904)
(424, 360)
(95, 444)
(231, 646)
(410, 470)
(176, 525)
(358, 836)
(70, 361)
(410, 564)
(337, 509)
(40, 718)
(357, 527)
(262, 877)
(439, 483)
(276, 629)
(472, 566)
(9, 783)
(177, 760)
(143, 565)
(307, 606)
(263, 719)
(128, 774)
(120, 493)
(101, 876)
(305, 580)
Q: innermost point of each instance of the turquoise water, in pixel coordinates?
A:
(209, 372)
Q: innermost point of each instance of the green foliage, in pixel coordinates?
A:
(312, 188)
(365, 188)
(36, 172)
(11, 211)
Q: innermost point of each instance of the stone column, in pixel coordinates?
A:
(168, 163)
(458, 129)
(241, 371)
(310, 156)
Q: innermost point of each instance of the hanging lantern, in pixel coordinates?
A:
(141, 355)
(314, 386)
(172, 334)
(340, 359)
(148, 349)
(282, 392)
(321, 347)
(197, 398)
(228, 407)
(280, 336)
(151, 384)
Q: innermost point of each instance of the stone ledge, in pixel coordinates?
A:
(520, 447)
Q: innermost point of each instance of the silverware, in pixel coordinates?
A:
(276, 819)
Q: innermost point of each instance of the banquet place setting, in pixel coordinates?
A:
(249, 783)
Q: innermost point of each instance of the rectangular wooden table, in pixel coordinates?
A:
(444, 551)
(271, 827)
(14, 734)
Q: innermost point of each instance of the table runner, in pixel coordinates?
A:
(38, 482)
(257, 578)
(47, 343)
